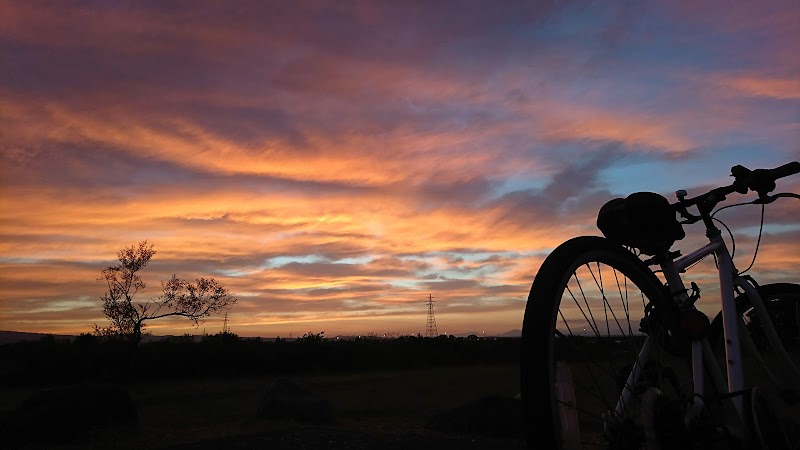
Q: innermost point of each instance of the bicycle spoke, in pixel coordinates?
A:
(606, 304)
(586, 301)
(580, 308)
(624, 300)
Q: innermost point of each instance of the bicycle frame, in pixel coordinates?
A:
(701, 351)
(702, 358)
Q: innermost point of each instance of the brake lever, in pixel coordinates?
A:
(767, 199)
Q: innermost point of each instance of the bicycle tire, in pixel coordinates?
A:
(543, 344)
(782, 301)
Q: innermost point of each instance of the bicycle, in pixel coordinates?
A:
(617, 355)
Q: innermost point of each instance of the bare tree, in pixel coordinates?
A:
(195, 301)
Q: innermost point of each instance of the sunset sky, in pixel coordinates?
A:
(335, 162)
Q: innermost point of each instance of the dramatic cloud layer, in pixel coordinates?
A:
(333, 163)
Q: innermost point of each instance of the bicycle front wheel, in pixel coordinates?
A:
(585, 378)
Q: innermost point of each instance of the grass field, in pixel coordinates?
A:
(372, 409)
(174, 413)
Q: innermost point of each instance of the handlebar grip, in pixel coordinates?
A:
(763, 180)
(784, 170)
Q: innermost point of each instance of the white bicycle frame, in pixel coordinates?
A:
(702, 357)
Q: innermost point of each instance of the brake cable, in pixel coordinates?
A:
(762, 200)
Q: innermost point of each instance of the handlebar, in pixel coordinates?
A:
(761, 181)
(785, 170)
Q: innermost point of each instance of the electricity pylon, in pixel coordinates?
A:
(430, 327)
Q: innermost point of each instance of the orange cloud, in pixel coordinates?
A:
(770, 87)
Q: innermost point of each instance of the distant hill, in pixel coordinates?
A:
(10, 337)
(513, 333)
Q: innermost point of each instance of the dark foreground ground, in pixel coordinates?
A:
(341, 438)
(369, 410)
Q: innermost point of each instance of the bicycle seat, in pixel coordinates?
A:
(643, 220)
